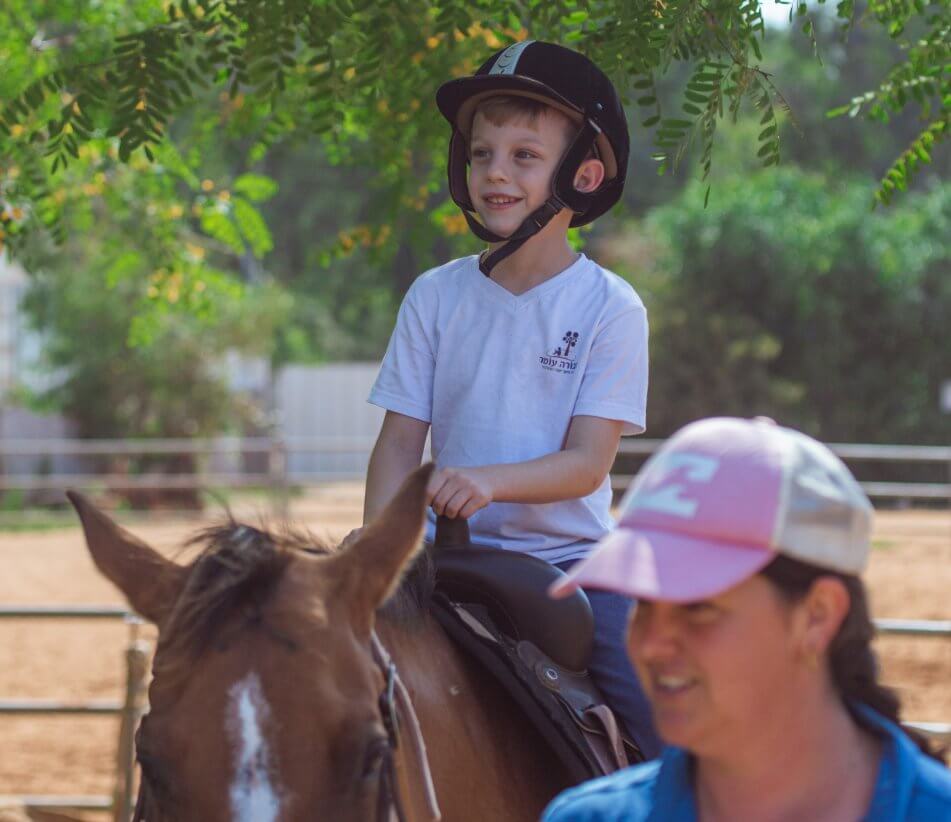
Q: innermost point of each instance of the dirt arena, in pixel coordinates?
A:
(910, 577)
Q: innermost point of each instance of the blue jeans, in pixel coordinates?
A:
(612, 671)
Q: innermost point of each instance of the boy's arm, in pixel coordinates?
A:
(575, 471)
(398, 450)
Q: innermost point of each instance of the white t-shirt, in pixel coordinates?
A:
(500, 376)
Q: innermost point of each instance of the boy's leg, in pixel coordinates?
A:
(611, 669)
(612, 672)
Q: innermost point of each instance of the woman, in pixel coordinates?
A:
(742, 542)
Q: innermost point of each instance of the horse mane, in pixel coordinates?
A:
(410, 601)
(238, 569)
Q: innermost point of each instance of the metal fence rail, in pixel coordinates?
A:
(277, 449)
(846, 451)
(41, 802)
(129, 709)
(940, 629)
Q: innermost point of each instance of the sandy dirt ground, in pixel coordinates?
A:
(909, 577)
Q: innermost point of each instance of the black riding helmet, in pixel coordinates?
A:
(567, 81)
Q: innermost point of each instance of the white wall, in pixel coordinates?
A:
(326, 401)
(329, 401)
(12, 283)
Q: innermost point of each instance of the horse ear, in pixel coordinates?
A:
(150, 582)
(374, 562)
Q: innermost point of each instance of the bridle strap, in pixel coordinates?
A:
(140, 802)
(394, 705)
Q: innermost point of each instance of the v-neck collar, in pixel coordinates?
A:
(501, 294)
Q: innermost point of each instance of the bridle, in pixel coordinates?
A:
(393, 702)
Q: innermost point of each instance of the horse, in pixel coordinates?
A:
(295, 681)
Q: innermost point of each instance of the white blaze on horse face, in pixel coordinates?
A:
(253, 797)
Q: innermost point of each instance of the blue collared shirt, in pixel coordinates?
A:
(910, 787)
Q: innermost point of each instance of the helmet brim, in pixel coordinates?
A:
(457, 101)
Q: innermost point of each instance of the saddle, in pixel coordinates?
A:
(493, 605)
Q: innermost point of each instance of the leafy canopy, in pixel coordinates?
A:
(360, 74)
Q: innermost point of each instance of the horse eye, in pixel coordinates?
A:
(373, 757)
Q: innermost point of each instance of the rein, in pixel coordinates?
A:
(394, 702)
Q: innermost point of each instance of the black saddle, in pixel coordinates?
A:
(493, 604)
(512, 587)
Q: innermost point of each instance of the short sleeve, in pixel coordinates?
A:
(614, 385)
(405, 381)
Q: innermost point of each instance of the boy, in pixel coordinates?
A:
(529, 361)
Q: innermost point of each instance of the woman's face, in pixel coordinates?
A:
(714, 669)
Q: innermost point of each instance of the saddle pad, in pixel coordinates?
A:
(563, 705)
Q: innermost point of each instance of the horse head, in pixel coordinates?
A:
(265, 696)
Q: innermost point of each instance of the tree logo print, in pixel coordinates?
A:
(570, 340)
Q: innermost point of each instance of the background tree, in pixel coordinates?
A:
(837, 326)
(296, 188)
(355, 72)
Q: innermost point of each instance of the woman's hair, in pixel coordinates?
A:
(852, 661)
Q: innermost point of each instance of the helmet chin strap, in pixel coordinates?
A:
(530, 226)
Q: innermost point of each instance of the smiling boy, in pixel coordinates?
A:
(529, 361)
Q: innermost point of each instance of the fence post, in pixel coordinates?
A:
(277, 471)
(136, 661)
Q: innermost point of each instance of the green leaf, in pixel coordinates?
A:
(221, 227)
(756, 50)
(651, 121)
(253, 227)
(256, 187)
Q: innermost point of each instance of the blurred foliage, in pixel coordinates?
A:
(787, 298)
(270, 177)
(356, 73)
(119, 371)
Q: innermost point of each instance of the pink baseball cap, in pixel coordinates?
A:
(717, 502)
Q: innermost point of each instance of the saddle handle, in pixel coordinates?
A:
(451, 534)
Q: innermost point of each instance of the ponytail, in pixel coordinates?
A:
(852, 661)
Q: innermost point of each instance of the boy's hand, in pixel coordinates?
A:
(459, 492)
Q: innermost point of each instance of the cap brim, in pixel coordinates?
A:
(649, 564)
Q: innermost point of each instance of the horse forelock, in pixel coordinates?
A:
(237, 569)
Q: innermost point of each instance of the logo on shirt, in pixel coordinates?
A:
(560, 359)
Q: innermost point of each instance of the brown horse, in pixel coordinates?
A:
(268, 703)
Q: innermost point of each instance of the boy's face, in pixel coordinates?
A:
(512, 166)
